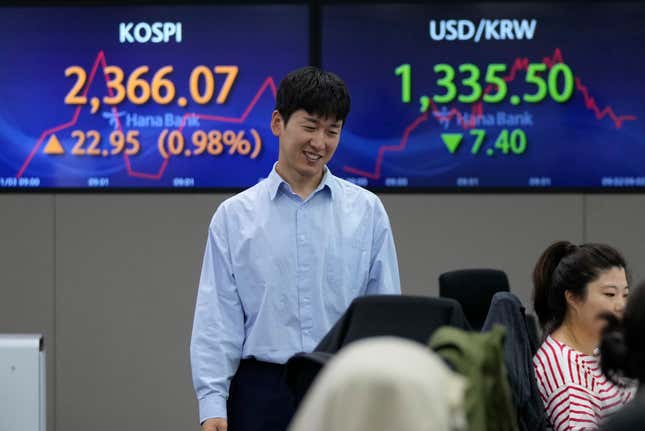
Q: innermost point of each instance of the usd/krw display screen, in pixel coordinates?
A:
(490, 95)
(145, 97)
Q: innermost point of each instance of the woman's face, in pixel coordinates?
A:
(608, 293)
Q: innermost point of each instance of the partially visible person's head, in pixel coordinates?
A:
(622, 348)
(580, 283)
(311, 108)
(319, 93)
(383, 384)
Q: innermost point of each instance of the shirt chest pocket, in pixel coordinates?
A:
(347, 270)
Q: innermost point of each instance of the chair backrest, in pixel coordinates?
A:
(411, 317)
(474, 290)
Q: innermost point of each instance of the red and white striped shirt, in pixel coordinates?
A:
(576, 395)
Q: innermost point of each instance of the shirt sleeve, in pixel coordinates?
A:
(572, 407)
(384, 267)
(218, 326)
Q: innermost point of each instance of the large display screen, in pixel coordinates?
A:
(490, 95)
(143, 97)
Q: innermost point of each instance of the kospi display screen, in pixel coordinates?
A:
(490, 95)
(143, 97)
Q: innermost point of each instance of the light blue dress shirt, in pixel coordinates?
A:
(279, 271)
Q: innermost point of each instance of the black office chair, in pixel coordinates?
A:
(474, 290)
(411, 317)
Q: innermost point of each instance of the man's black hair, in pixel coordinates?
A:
(317, 92)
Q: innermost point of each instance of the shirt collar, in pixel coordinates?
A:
(275, 181)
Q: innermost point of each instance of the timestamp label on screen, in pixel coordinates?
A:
(467, 182)
(22, 182)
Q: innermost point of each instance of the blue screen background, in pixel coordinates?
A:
(38, 44)
(569, 146)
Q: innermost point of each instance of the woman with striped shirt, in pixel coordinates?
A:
(574, 286)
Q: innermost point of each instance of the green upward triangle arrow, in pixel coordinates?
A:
(452, 141)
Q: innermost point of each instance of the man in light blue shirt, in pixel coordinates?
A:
(283, 261)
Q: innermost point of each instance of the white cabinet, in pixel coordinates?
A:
(22, 382)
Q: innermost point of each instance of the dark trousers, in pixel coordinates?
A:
(259, 399)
